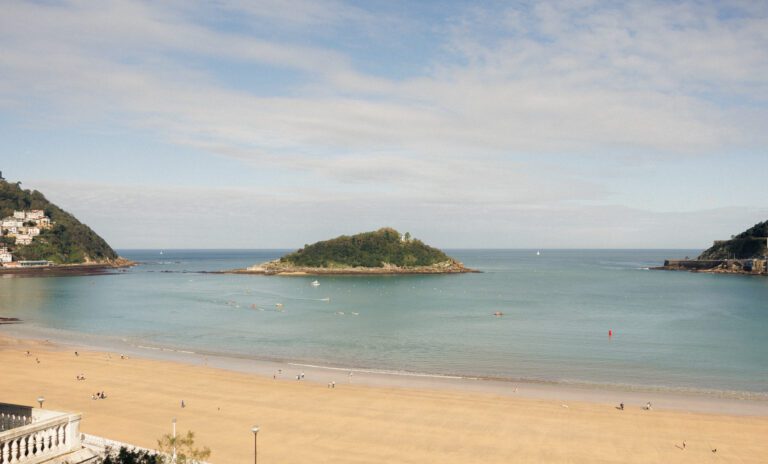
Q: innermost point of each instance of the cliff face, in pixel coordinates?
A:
(66, 241)
(750, 244)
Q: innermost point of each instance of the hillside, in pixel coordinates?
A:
(747, 245)
(66, 241)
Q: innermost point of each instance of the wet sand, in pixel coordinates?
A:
(373, 417)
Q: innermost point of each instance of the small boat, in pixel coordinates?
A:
(278, 305)
(315, 283)
(538, 253)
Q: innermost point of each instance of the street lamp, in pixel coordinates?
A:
(255, 430)
(173, 456)
(40, 400)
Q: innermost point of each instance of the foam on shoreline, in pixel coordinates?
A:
(672, 398)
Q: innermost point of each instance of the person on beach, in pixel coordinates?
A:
(647, 406)
(302, 376)
(333, 384)
(183, 405)
(621, 406)
(77, 354)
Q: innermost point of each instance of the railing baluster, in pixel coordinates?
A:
(14, 450)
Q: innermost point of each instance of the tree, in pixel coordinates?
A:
(184, 448)
(131, 456)
(407, 236)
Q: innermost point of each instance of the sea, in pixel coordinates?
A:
(669, 330)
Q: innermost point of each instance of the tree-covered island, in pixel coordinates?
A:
(384, 251)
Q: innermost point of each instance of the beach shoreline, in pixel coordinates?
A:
(678, 399)
(330, 416)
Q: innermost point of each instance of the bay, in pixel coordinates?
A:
(671, 330)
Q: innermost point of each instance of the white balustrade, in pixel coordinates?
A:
(35, 441)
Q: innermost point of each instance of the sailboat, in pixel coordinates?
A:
(538, 253)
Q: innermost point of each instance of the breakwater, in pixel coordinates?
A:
(723, 266)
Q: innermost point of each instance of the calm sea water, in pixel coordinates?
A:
(670, 329)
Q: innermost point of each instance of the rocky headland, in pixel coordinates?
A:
(745, 253)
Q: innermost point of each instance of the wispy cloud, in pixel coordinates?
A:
(512, 93)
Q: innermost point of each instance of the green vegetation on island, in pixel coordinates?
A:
(369, 249)
(750, 244)
(65, 241)
(384, 251)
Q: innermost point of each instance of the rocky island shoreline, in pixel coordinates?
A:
(381, 252)
(277, 267)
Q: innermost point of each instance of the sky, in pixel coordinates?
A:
(275, 123)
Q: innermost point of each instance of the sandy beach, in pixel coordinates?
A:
(306, 421)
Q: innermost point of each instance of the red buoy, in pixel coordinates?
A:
(610, 333)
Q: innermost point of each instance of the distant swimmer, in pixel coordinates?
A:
(498, 314)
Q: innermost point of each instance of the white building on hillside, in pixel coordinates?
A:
(5, 255)
(35, 214)
(19, 214)
(11, 222)
(23, 239)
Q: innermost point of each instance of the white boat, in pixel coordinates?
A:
(315, 283)
(538, 253)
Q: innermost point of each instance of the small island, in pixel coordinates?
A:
(745, 253)
(39, 238)
(384, 251)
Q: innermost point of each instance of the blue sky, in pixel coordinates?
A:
(258, 124)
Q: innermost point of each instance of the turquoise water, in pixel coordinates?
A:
(670, 329)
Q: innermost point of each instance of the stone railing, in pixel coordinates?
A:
(48, 434)
(11, 421)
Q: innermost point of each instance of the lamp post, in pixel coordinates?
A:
(40, 400)
(255, 430)
(173, 456)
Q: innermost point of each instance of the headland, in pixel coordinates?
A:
(745, 253)
(39, 238)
